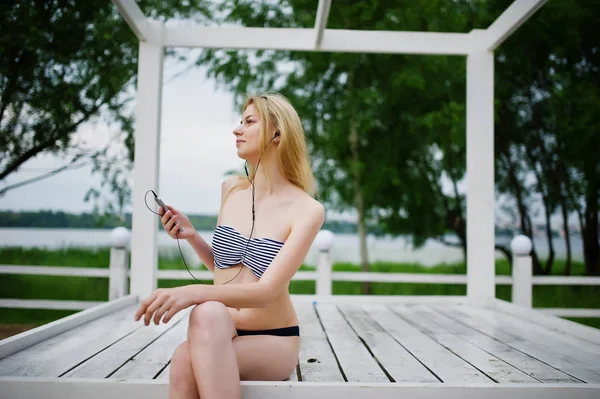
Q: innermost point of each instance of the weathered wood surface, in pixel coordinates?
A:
(377, 344)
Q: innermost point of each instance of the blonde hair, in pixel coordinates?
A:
(277, 114)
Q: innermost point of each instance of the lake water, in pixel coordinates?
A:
(345, 246)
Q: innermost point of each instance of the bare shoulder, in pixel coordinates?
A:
(309, 210)
(228, 183)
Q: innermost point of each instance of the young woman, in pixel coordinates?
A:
(244, 327)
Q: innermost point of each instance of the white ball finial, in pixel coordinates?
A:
(324, 240)
(521, 245)
(119, 237)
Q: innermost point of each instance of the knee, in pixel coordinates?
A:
(209, 320)
(181, 372)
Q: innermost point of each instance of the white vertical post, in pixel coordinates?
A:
(147, 138)
(480, 171)
(323, 242)
(119, 264)
(324, 273)
(522, 271)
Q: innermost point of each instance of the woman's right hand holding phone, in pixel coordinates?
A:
(173, 220)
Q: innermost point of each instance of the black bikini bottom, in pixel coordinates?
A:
(281, 332)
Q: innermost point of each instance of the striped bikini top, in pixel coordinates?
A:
(229, 245)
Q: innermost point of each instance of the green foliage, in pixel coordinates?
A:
(96, 289)
(65, 64)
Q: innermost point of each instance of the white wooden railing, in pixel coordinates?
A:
(118, 272)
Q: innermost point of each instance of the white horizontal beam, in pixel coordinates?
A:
(116, 388)
(55, 270)
(144, 29)
(570, 312)
(55, 304)
(513, 17)
(321, 20)
(334, 40)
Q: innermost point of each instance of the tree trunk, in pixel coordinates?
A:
(360, 207)
(565, 216)
(550, 259)
(524, 216)
(591, 247)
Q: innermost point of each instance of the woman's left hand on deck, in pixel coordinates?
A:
(164, 302)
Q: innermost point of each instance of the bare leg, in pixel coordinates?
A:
(213, 356)
(182, 383)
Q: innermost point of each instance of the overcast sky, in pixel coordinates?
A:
(197, 148)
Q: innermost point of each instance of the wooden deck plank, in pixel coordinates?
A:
(443, 363)
(567, 342)
(355, 360)
(396, 360)
(106, 362)
(156, 356)
(316, 360)
(492, 366)
(513, 336)
(56, 355)
(164, 375)
(525, 363)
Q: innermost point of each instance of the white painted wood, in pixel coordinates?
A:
(565, 280)
(147, 363)
(527, 364)
(400, 277)
(79, 271)
(47, 304)
(58, 354)
(144, 254)
(164, 375)
(356, 362)
(316, 360)
(323, 283)
(573, 361)
(298, 299)
(82, 271)
(158, 389)
(553, 323)
(509, 21)
(444, 364)
(321, 20)
(36, 335)
(485, 362)
(570, 312)
(334, 40)
(118, 272)
(522, 282)
(396, 360)
(104, 363)
(569, 343)
(294, 375)
(480, 172)
(184, 275)
(141, 27)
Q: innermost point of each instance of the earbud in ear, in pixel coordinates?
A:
(276, 134)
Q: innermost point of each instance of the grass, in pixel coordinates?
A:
(96, 288)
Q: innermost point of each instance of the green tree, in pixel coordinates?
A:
(63, 64)
(547, 91)
(363, 113)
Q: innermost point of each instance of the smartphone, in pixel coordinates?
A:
(162, 205)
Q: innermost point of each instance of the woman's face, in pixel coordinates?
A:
(247, 134)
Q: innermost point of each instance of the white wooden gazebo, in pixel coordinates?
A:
(379, 347)
(478, 46)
